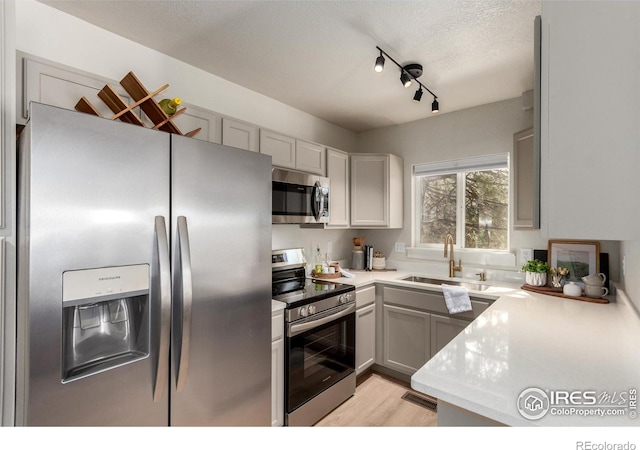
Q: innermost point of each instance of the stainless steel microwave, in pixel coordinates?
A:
(299, 197)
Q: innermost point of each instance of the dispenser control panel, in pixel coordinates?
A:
(82, 286)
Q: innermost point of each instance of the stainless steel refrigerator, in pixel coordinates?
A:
(144, 277)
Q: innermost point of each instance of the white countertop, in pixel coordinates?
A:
(527, 340)
(277, 306)
(395, 278)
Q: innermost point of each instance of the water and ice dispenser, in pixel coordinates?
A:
(105, 319)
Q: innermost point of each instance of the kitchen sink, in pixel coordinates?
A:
(464, 284)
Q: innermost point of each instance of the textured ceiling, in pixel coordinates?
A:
(318, 56)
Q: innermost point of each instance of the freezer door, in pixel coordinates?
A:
(221, 338)
(93, 212)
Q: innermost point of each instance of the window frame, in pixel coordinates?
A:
(459, 167)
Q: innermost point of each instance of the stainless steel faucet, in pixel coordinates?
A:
(448, 240)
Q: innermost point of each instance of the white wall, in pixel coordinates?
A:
(48, 33)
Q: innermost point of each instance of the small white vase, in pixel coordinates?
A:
(535, 279)
(379, 263)
(572, 289)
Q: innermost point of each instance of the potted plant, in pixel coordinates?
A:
(535, 272)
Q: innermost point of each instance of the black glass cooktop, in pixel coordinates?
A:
(304, 291)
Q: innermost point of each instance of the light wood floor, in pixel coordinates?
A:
(378, 402)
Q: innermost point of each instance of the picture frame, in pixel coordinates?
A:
(580, 257)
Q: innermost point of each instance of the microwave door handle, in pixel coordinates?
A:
(315, 201)
(186, 293)
(164, 269)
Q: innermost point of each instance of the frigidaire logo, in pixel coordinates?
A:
(116, 277)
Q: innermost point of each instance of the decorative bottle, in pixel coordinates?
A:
(170, 105)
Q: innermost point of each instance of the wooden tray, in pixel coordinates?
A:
(557, 292)
(325, 275)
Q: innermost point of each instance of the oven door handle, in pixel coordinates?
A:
(295, 329)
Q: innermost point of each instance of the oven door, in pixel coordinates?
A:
(319, 353)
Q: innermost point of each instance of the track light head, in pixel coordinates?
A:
(434, 106)
(418, 95)
(405, 79)
(379, 67)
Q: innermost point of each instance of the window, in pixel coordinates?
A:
(468, 199)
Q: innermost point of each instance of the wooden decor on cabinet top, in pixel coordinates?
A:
(143, 98)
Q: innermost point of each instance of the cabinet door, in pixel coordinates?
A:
(406, 338)
(365, 338)
(277, 383)
(210, 123)
(311, 158)
(590, 136)
(443, 330)
(239, 134)
(57, 85)
(369, 190)
(338, 173)
(526, 182)
(281, 148)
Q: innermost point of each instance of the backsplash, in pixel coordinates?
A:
(339, 241)
(498, 266)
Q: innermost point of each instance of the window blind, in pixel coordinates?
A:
(486, 162)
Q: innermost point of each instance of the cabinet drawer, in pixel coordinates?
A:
(430, 301)
(365, 296)
(277, 326)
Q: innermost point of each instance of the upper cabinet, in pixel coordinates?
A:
(376, 191)
(293, 153)
(62, 86)
(526, 182)
(338, 173)
(58, 85)
(240, 134)
(590, 133)
(311, 157)
(281, 148)
(209, 122)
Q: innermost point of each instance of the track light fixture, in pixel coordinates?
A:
(379, 63)
(434, 106)
(405, 79)
(408, 73)
(418, 95)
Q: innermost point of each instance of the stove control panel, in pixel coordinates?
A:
(347, 298)
(304, 311)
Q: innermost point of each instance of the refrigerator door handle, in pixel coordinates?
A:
(164, 270)
(187, 298)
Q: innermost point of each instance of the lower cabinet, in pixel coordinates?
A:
(365, 328)
(277, 369)
(443, 330)
(407, 338)
(416, 325)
